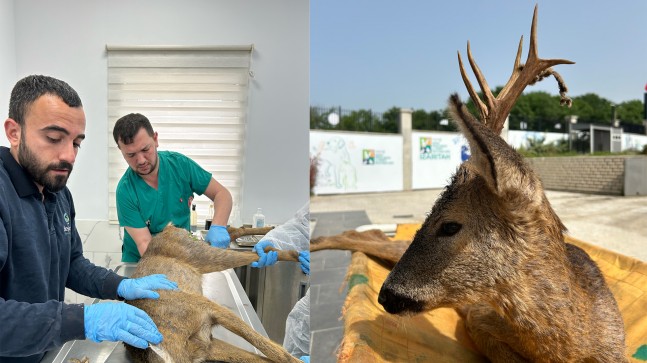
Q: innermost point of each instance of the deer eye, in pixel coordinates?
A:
(449, 229)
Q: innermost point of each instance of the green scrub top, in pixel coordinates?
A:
(139, 205)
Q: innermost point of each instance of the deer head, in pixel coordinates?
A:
(493, 224)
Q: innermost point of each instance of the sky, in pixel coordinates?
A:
(378, 54)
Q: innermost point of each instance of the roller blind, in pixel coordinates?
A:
(195, 98)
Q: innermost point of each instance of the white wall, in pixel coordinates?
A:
(633, 141)
(345, 168)
(67, 38)
(7, 61)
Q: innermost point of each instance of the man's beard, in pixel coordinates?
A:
(152, 168)
(39, 172)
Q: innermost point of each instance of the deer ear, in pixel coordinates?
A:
(491, 157)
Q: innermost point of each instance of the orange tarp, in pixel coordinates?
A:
(372, 335)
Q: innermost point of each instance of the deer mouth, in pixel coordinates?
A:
(395, 303)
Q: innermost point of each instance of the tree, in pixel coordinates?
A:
(539, 110)
(630, 112)
(390, 120)
(591, 108)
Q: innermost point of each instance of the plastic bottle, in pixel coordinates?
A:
(234, 217)
(258, 219)
(207, 221)
(194, 219)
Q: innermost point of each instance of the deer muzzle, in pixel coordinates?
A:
(395, 303)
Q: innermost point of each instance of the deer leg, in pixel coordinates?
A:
(488, 332)
(225, 352)
(373, 242)
(246, 231)
(234, 324)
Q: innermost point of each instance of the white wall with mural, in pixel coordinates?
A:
(356, 162)
(435, 156)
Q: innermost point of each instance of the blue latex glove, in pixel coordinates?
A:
(142, 288)
(218, 236)
(305, 358)
(304, 258)
(264, 259)
(120, 322)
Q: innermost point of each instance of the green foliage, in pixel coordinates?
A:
(319, 118)
(537, 147)
(539, 110)
(423, 120)
(362, 120)
(630, 112)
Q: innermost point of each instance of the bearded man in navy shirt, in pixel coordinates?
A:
(40, 249)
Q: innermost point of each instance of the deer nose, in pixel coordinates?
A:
(395, 303)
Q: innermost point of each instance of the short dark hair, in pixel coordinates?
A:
(128, 126)
(30, 88)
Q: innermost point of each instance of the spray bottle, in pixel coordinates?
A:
(258, 219)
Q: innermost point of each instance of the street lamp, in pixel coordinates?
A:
(572, 120)
(333, 119)
(614, 121)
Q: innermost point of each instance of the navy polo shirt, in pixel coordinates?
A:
(40, 255)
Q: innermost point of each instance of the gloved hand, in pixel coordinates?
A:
(142, 288)
(120, 322)
(218, 236)
(305, 358)
(264, 259)
(304, 258)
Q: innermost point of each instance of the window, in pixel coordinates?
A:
(195, 98)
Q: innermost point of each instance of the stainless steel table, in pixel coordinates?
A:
(222, 287)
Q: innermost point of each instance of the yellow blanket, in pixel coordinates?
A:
(372, 335)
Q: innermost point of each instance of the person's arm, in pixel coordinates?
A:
(130, 218)
(222, 202)
(291, 235)
(141, 236)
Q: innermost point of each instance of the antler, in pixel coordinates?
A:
(494, 113)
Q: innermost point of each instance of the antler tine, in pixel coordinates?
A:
(470, 89)
(497, 109)
(532, 51)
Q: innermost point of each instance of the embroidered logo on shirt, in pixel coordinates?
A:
(67, 228)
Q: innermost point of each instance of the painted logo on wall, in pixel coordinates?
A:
(434, 149)
(375, 157)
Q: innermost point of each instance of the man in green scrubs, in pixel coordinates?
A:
(158, 188)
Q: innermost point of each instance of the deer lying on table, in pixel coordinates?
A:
(185, 317)
(493, 248)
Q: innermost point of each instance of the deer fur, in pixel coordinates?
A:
(372, 242)
(493, 248)
(184, 316)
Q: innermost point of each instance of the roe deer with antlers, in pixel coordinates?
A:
(493, 248)
(493, 240)
(185, 317)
